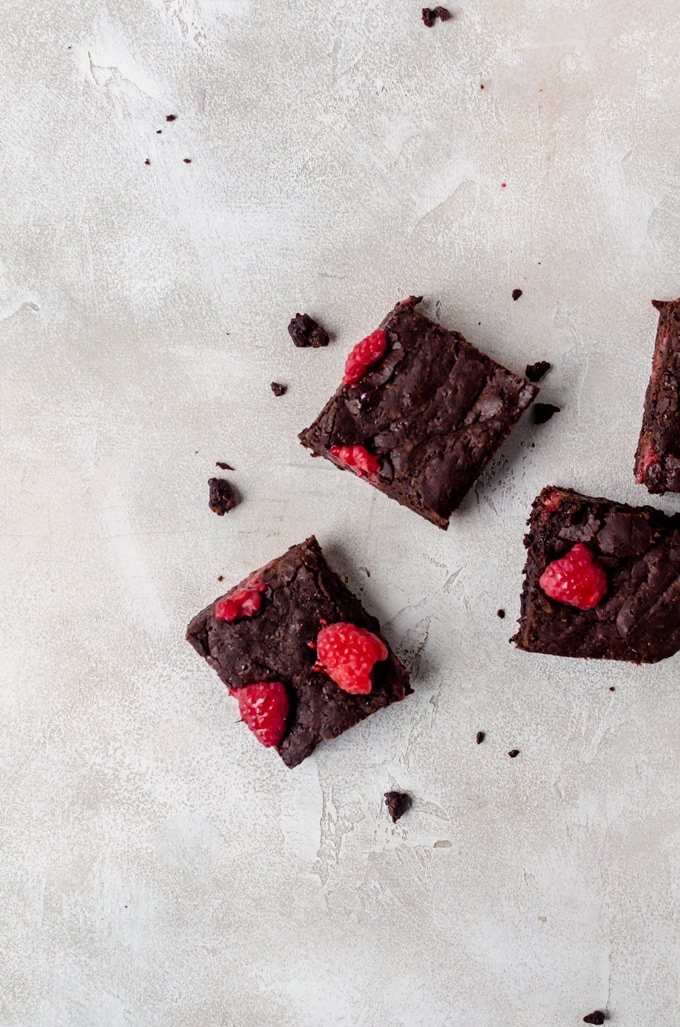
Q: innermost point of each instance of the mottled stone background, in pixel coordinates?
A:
(157, 867)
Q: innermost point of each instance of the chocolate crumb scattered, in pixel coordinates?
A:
(159, 131)
(542, 412)
(278, 389)
(222, 496)
(481, 85)
(443, 13)
(516, 293)
(480, 737)
(397, 804)
(513, 753)
(500, 613)
(220, 577)
(187, 160)
(535, 372)
(596, 1017)
(223, 466)
(305, 331)
(147, 161)
(430, 15)
(171, 117)
(611, 688)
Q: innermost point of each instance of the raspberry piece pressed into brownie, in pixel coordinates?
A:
(602, 580)
(425, 408)
(301, 654)
(657, 460)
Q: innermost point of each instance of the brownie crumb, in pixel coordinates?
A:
(542, 412)
(481, 85)
(500, 613)
(596, 1017)
(430, 15)
(611, 688)
(222, 496)
(397, 804)
(147, 161)
(223, 466)
(187, 160)
(171, 117)
(220, 577)
(535, 372)
(481, 735)
(278, 389)
(305, 331)
(516, 293)
(513, 753)
(159, 131)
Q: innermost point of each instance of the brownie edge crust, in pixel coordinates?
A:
(277, 644)
(638, 619)
(657, 458)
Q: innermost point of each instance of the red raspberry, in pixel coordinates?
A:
(244, 603)
(577, 579)
(364, 355)
(264, 709)
(648, 458)
(347, 654)
(358, 457)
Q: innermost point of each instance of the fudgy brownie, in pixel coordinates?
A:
(657, 460)
(419, 413)
(602, 580)
(283, 639)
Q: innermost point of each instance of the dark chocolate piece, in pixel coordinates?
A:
(638, 620)
(305, 331)
(223, 466)
(222, 496)
(534, 372)
(430, 15)
(597, 1017)
(516, 293)
(433, 410)
(542, 412)
(513, 753)
(171, 117)
(500, 613)
(397, 804)
(278, 389)
(480, 737)
(277, 644)
(657, 459)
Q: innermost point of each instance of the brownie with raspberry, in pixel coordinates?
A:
(602, 580)
(299, 652)
(419, 413)
(657, 459)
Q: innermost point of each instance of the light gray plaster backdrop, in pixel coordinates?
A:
(160, 869)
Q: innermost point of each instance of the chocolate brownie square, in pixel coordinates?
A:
(657, 460)
(419, 414)
(267, 629)
(635, 551)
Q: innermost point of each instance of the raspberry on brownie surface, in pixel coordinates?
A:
(602, 580)
(262, 638)
(423, 408)
(657, 459)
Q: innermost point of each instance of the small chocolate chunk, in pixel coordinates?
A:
(222, 496)
(305, 331)
(278, 389)
(147, 161)
(428, 17)
(480, 737)
(187, 160)
(220, 577)
(542, 412)
(513, 753)
(596, 1017)
(397, 804)
(223, 466)
(442, 13)
(535, 372)
(516, 293)
(171, 117)
(500, 613)
(612, 688)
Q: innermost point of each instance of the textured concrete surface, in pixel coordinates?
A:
(158, 868)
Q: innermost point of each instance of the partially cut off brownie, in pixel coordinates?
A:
(299, 652)
(602, 580)
(419, 413)
(657, 460)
